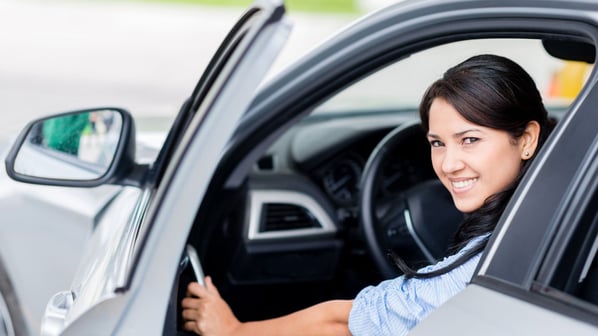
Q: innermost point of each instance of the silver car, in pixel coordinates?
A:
(291, 193)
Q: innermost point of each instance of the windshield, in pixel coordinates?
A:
(401, 85)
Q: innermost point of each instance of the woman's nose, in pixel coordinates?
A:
(452, 161)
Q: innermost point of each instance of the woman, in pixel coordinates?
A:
(485, 122)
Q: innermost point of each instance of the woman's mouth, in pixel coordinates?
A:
(463, 185)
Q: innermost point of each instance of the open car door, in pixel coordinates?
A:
(126, 275)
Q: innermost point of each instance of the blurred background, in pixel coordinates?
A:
(141, 55)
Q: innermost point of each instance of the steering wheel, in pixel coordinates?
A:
(419, 221)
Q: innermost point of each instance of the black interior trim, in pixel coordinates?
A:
(570, 50)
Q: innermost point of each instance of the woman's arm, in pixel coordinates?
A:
(208, 314)
(326, 318)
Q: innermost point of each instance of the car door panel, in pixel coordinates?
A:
(481, 311)
(189, 164)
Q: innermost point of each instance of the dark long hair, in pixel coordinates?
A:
(494, 92)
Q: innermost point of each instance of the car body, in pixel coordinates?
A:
(63, 220)
(292, 195)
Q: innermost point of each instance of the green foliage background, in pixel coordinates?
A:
(324, 6)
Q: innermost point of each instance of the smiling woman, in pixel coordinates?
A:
(461, 150)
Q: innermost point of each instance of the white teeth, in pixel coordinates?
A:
(463, 184)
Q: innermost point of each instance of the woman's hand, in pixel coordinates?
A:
(206, 313)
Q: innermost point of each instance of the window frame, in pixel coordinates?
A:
(583, 196)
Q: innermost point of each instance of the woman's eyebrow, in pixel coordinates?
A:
(459, 134)
(456, 135)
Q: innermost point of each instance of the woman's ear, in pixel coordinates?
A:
(529, 140)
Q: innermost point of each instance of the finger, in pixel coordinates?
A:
(210, 286)
(189, 315)
(197, 289)
(190, 303)
(188, 293)
(191, 326)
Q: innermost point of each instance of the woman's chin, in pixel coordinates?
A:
(466, 206)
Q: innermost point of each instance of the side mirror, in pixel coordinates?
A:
(84, 148)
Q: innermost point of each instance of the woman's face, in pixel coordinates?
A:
(473, 162)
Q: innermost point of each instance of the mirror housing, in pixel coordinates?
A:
(84, 148)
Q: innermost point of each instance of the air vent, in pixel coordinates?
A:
(282, 217)
(280, 214)
(266, 163)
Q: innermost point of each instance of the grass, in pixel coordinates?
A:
(321, 6)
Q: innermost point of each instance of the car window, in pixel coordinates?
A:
(577, 270)
(402, 84)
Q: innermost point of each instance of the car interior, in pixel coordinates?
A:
(291, 233)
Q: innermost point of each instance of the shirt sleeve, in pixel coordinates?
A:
(395, 306)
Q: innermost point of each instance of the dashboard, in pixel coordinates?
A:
(329, 156)
(340, 179)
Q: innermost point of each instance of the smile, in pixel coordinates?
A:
(463, 184)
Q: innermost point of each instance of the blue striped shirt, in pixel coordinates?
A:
(396, 306)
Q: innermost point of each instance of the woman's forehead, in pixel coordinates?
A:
(445, 120)
(443, 114)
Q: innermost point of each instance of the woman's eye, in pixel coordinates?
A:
(470, 140)
(435, 143)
